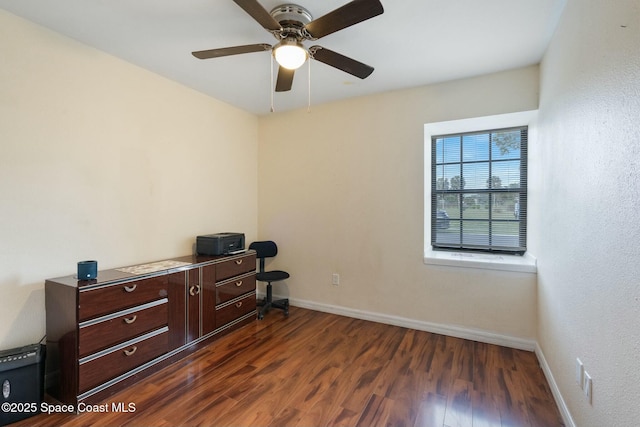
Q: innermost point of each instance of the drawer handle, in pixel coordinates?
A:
(131, 288)
(194, 290)
(130, 352)
(238, 261)
(130, 320)
(239, 304)
(238, 284)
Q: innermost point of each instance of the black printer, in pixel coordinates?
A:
(219, 244)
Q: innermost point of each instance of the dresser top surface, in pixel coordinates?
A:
(146, 270)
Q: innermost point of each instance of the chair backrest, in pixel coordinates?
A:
(264, 249)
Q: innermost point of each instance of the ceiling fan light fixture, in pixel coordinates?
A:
(290, 54)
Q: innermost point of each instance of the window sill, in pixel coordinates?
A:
(523, 264)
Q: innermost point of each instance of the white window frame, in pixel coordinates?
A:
(525, 263)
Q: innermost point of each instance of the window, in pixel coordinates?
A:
(479, 191)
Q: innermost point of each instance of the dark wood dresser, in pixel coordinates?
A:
(107, 333)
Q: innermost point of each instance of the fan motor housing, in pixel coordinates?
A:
(291, 12)
(292, 18)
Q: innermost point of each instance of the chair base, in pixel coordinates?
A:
(267, 303)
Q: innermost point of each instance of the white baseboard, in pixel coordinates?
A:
(562, 406)
(451, 330)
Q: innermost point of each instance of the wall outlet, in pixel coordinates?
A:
(588, 387)
(335, 279)
(579, 373)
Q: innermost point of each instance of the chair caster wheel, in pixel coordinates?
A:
(260, 316)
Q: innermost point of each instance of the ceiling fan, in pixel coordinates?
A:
(291, 24)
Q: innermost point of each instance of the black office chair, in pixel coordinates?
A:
(268, 249)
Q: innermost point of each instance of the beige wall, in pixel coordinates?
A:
(102, 160)
(587, 199)
(341, 190)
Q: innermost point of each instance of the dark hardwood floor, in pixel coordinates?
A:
(319, 369)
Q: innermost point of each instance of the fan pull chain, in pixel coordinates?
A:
(309, 87)
(271, 82)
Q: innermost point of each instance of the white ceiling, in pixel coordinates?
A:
(415, 42)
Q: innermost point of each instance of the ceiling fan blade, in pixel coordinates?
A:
(341, 62)
(259, 13)
(343, 17)
(285, 79)
(235, 50)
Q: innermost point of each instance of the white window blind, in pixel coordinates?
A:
(479, 191)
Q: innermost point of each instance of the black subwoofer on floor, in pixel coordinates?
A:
(21, 382)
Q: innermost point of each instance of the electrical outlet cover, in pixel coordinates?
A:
(335, 279)
(588, 386)
(579, 373)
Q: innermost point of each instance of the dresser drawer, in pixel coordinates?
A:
(234, 309)
(112, 329)
(235, 267)
(98, 302)
(110, 363)
(233, 288)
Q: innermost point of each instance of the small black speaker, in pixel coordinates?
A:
(87, 270)
(21, 382)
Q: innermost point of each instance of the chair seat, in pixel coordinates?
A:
(272, 276)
